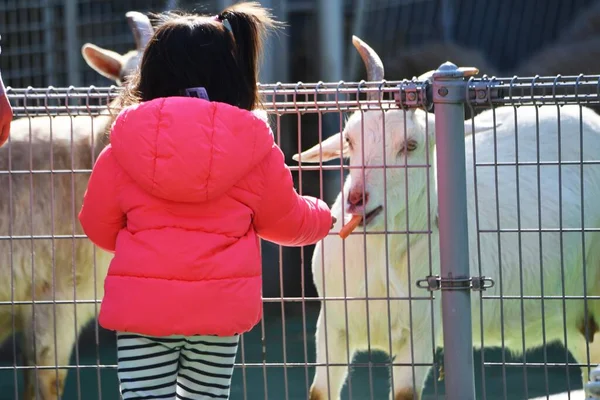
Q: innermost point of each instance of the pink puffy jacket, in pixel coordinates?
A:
(181, 196)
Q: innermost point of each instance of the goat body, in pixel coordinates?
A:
(44, 254)
(40, 257)
(527, 216)
(508, 207)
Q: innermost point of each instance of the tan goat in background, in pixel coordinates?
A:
(54, 266)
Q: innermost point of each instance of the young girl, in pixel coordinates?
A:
(181, 196)
(6, 113)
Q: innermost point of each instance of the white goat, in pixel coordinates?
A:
(359, 268)
(54, 266)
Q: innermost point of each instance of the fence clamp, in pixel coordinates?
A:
(435, 282)
(483, 92)
(413, 94)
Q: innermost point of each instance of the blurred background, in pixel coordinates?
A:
(41, 46)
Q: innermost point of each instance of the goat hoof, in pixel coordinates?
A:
(316, 395)
(29, 392)
(406, 394)
(52, 386)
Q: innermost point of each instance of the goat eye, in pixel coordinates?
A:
(349, 142)
(410, 145)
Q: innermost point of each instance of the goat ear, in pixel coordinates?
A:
(106, 62)
(329, 149)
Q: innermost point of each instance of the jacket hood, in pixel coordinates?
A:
(187, 149)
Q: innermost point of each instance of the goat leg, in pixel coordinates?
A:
(331, 349)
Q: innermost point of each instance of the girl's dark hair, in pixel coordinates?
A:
(189, 50)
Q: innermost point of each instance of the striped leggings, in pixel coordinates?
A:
(182, 367)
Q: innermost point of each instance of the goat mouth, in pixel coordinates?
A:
(370, 216)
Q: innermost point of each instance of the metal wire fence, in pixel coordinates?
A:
(520, 212)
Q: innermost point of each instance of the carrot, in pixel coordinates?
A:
(350, 226)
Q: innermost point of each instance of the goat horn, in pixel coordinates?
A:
(373, 63)
(140, 27)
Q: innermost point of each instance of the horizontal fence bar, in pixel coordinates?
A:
(288, 98)
(330, 299)
(237, 365)
(557, 90)
(537, 365)
(265, 299)
(357, 232)
(527, 364)
(335, 167)
(292, 168)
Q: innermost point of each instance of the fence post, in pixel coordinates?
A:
(71, 16)
(449, 88)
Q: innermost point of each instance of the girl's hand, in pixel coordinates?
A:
(6, 113)
(333, 221)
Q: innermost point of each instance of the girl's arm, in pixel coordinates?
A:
(101, 216)
(285, 217)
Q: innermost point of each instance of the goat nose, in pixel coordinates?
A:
(356, 198)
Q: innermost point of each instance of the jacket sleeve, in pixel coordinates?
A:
(283, 216)
(101, 216)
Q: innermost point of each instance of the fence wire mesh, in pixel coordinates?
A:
(53, 277)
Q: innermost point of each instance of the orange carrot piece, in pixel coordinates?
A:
(350, 226)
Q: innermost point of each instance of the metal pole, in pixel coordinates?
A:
(49, 64)
(330, 15)
(448, 20)
(171, 5)
(222, 4)
(73, 53)
(360, 10)
(331, 41)
(449, 89)
(276, 62)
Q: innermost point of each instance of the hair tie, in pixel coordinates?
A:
(224, 21)
(198, 92)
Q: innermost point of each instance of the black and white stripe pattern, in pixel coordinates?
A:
(186, 368)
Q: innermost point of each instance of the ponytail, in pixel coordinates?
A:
(249, 23)
(219, 53)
